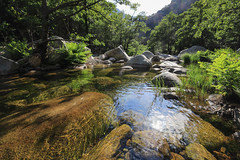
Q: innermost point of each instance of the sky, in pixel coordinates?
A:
(148, 6)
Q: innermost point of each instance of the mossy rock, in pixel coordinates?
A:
(52, 93)
(105, 82)
(202, 132)
(112, 146)
(196, 151)
(39, 86)
(175, 156)
(61, 128)
(105, 72)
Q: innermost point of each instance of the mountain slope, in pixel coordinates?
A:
(176, 6)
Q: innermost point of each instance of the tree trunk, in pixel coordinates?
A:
(42, 48)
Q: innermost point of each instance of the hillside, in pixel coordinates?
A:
(176, 6)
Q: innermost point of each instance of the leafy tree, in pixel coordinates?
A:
(164, 34)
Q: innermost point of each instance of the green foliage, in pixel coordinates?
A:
(225, 69)
(135, 48)
(198, 80)
(18, 50)
(186, 58)
(164, 34)
(77, 53)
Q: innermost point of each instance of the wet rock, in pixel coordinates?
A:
(148, 54)
(202, 132)
(64, 125)
(163, 56)
(196, 151)
(117, 53)
(170, 95)
(192, 50)
(166, 79)
(140, 61)
(175, 156)
(172, 59)
(236, 136)
(168, 64)
(107, 62)
(120, 61)
(215, 102)
(127, 67)
(112, 146)
(156, 66)
(222, 155)
(112, 59)
(132, 118)
(156, 58)
(179, 71)
(8, 66)
(150, 144)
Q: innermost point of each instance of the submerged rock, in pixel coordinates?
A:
(64, 125)
(132, 118)
(150, 145)
(105, 82)
(112, 146)
(166, 79)
(196, 151)
(140, 61)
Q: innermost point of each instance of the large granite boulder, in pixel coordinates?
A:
(8, 66)
(140, 61)
(166, 79)
(156, 58)
(148, 54)
(169, 64)
(66, 125)
(192, 50)
(196, 151)
(117, 53)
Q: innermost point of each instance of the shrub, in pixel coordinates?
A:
(186, 58)
(77, 53)
(226, 71)
(18, 50)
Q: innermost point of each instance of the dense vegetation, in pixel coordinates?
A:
(212, 24)
(95, 22)
(213, 72)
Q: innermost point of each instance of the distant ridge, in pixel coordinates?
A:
(176, 6)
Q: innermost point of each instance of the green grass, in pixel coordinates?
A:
(198, 80)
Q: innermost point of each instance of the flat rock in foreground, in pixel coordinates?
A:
(57, 129)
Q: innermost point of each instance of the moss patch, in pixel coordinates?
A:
(104, 83)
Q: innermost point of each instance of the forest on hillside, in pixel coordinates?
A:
(212, 24)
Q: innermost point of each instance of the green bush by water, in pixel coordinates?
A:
(77, 53)
(225, 70)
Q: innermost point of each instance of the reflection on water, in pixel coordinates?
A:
(168, 117)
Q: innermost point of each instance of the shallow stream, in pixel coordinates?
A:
(138, 103)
